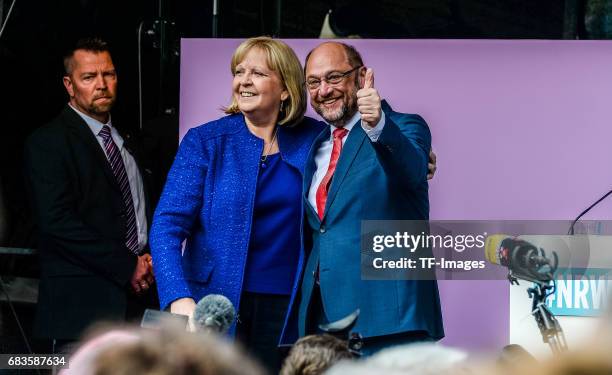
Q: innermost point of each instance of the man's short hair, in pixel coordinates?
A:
(95, 45)
(313, 354)
(353, 56)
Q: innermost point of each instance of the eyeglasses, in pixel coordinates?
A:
(331, 79)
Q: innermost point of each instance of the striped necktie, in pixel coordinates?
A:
(116, 163)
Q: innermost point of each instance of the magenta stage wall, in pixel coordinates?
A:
(522, 130)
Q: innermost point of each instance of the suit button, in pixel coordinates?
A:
(322, 229)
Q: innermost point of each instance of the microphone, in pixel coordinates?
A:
(214, 312)
(343, 329)
(523, 259)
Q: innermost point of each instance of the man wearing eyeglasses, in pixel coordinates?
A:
(370, 164)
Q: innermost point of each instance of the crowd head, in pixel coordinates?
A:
(313, 354)
(421, 359)
(160, 352)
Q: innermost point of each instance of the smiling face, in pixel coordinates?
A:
(92, 83)
(335, 103)
(257, 89)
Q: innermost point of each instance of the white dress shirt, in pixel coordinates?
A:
(134, 177)
(323, 156)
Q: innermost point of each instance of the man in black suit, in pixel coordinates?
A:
(89, 202)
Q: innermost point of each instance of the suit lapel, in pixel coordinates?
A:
(311, 168)
(349, 151)
(80, 128)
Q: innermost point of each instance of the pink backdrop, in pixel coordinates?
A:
(522, 130)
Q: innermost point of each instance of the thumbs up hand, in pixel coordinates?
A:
(368, 101)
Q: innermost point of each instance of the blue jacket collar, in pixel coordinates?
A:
(291, 143)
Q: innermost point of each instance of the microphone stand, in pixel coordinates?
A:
(544, 286)
(549, 326)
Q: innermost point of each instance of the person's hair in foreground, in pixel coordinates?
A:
(313, 354)
(285, 63)
(162, 352)
(420, 358)
(588, 360)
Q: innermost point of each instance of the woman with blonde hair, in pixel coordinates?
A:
(234, 194)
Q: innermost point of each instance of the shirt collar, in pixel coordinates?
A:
(96, 126)
(349, 125)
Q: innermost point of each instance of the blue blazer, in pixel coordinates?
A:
(385, 180)
(208, 201)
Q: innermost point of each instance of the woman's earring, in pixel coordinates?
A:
(282, 105)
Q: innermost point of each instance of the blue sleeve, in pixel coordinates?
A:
(176, 213)
(403, 148)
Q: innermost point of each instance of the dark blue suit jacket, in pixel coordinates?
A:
(81, 219)
(385, 180)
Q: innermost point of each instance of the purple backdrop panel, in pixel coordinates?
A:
(521, 128)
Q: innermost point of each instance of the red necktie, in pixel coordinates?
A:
(323, 188)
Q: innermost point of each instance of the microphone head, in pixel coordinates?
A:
(523, 259)
(496, 250)
(214, 312)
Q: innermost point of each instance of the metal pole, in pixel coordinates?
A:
(1, 12)
(215, 25)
